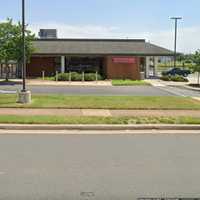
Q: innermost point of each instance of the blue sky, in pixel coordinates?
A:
(147, 19)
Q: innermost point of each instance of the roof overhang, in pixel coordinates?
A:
(99, 47)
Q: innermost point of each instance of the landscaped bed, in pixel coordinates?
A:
(96, 120)
(102, 102)
(129, 82)
(74, 76)
(176, 78)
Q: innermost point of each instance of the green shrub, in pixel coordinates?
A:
(166, 78)
(78, 76)
(50, 78)
(176, 78)
(63, 77)
(92, 77)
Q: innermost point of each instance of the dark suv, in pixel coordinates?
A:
(177, 71)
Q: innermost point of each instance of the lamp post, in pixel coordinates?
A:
(23, 48)
(24, 96)
(175, 39)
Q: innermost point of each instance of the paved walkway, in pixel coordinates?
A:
(38, 82)
(67, 83)
(160, 83)
(98, 112)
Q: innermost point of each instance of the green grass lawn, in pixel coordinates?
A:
(103, 102)
(96, 120)
(129, 82)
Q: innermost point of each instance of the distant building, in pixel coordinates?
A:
(112, 58)
(48, 33)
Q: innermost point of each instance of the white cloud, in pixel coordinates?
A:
(188, 39)
(72, 31)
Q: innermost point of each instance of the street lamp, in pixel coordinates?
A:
(23, 48)
(175, 40)
(24, 96)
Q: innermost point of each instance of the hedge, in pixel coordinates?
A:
(78, 76)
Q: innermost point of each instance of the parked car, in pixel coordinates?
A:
(177, 71)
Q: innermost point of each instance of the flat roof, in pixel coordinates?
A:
(98, 47)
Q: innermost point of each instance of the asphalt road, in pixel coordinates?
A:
(181, 91)
(91, 90)
(98, 167)
(104, 90)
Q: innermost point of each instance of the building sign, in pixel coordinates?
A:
(127, 60)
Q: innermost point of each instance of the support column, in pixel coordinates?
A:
(147, 67)
(156, 58)
(62, 64)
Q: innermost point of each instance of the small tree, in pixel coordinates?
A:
(11, 43)
(7, 45)
(196, 67)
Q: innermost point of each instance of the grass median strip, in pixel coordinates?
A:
(128, 82)
(103, 102)
(96, 120)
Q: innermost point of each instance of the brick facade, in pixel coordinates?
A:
(111, 69)
(122, 70)
(39, 64)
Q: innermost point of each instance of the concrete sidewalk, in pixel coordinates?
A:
(38, 82)
(98, 112)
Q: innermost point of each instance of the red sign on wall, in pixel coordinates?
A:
(128, 60)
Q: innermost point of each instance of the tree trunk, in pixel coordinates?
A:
(7, 71)
(198, 79)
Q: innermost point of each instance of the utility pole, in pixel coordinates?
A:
(175, 40)
(24, 96)
(23, 48)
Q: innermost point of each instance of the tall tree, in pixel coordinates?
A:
(11, 43)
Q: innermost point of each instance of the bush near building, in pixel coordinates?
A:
(79, 77)
(176, 78)
(92, 77)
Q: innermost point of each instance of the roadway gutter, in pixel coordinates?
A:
(99, 127)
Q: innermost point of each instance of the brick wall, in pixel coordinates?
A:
(39, 64)
(112, 70)
(122, 70)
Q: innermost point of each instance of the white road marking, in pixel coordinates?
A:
(7, 92)
(171, 90)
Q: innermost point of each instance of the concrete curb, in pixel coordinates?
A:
(98, 127)
(191, 88)
(69, 85)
